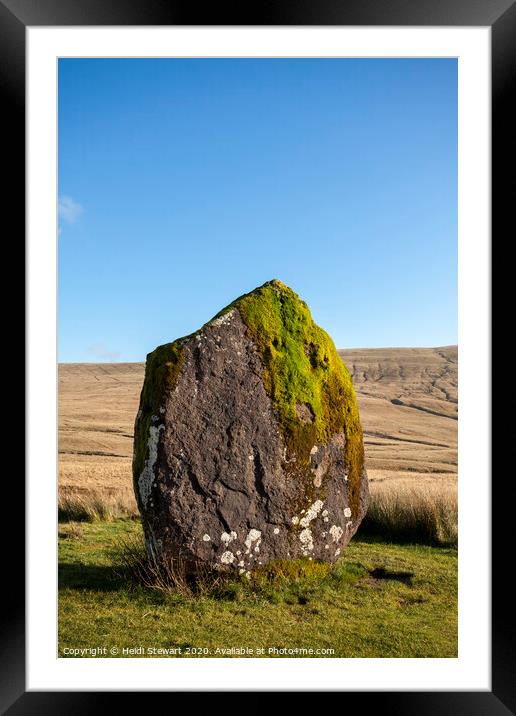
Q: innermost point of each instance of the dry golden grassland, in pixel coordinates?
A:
(408, 407)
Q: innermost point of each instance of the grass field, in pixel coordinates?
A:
(379, 600)
(391, 598)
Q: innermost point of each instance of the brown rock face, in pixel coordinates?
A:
(214, 478)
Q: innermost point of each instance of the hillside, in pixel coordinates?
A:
(407, 399)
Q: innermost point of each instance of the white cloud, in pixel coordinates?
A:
(100, 351)
(69, 209)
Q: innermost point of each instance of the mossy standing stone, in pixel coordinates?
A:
(248, 446)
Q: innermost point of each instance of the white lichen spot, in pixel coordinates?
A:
(348, 524)
(228, 537)
(241, 563)
(324, 513)
(314, 450)
(306, 539)
(154, 418)
(227, 557)
(276, 530)
(326, 519)
(248, 575)
(311, 513)
(238, 552)
(147, 475)
(251, 457)
(222, 320)
(347, 512)
(206, 538)
(336, 532)
(162, 410)
(241, 571)
(337, 552)
(252, 537)
(295, 520)
(326, 546)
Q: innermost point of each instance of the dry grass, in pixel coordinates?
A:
(401, 511)
(172, 576)
(74, 530)
(74, 506)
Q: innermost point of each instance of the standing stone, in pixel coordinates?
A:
(248, 446)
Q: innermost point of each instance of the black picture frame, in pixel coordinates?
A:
(500, 16)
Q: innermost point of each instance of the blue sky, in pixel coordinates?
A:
(185, 183)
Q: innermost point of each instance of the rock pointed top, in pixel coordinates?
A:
(258, 298)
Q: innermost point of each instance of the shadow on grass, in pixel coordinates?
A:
(373, 532)
(380, 573)
(98, 578)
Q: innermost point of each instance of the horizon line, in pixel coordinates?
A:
(360, 348)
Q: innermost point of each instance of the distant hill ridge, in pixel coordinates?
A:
(407, 399)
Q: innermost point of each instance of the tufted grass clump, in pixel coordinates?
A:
(412, 514)
(176, 575)
(282, 581)
(75, 506)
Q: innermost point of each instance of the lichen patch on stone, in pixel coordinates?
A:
(336, 532)
(222, 320)
(228, 537)
(311, 513)
(146, 478)
(227, 557)
(253, 536)
(307, 541)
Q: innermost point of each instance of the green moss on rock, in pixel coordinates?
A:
(310, 387)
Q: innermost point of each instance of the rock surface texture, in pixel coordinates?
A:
(248, 446)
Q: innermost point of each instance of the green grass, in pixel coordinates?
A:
(351, 608)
